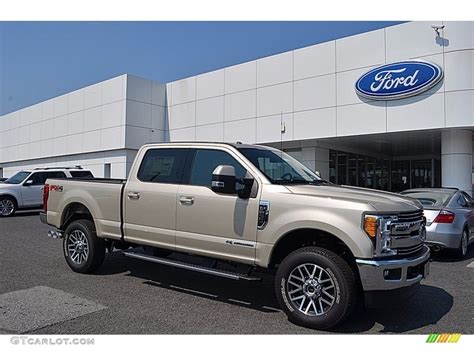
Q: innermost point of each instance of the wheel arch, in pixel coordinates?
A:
(304, 237)
(13, 197)
(73, 212)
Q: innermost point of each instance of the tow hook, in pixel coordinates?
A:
(55, 234)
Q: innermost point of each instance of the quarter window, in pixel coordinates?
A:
(163, 166)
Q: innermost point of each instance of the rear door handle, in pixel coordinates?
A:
(133, 195)
(185, 200)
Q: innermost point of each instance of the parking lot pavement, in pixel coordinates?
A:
(132, 296)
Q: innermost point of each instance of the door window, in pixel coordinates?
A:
(163, 166)
(206, 160)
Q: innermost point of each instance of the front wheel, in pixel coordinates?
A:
(7, 206)
(83, 250)
(315, 288)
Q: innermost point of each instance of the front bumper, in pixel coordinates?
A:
(379, 275)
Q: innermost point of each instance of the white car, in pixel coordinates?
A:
(25, 188)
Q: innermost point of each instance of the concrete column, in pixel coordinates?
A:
(317, 159)
(456, 159)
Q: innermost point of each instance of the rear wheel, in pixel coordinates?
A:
(461, 251)
(315, 288)
(7, 206)
(83, 250)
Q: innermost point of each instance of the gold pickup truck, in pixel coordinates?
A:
(328, 246)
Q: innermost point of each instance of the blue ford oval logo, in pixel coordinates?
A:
(398, 80)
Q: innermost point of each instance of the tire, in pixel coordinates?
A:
(158, 252)
(8, 206)
(318, 310)
(83, 250)
(461, 251)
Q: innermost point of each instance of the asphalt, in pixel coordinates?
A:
(128, 296)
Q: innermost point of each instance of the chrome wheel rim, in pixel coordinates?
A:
(464, 243)
(6, 207)
(77, 247)
(311, 289)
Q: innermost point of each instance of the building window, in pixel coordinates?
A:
(107, 169)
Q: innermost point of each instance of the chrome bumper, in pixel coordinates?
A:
(392, 274)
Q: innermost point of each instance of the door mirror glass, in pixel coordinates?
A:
(223, 180)
(28, 182)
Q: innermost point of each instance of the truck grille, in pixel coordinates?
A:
(410, 216)
(409, 250)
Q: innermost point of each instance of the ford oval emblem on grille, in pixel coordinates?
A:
(398, 80)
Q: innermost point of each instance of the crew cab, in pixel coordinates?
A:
(25, 188)
(251, 205)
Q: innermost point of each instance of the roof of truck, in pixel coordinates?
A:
(235, 145)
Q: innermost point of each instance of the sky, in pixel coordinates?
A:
(41, 60)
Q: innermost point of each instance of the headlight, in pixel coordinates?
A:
(377, 227)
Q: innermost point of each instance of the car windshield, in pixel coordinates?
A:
(431, 199)
(279, 167)
(17, 178)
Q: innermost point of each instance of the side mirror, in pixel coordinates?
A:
(247, 181)
(318, 174)
(223, 180)
(28, 183)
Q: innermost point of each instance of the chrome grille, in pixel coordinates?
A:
(410, 216)
(410, 250)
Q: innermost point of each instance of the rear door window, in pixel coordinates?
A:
(84, 174)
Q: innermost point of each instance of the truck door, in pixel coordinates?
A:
(214, 224)
(150, 197)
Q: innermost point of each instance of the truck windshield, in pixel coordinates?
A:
(279, 167)
(17, 178)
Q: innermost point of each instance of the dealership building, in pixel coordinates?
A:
(362, 110)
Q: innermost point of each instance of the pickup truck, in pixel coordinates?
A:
(25, 188)
(328, 247)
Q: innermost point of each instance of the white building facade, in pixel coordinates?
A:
(303, 101)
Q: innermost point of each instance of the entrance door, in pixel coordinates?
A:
(421, 173)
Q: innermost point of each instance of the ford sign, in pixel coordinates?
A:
(398, 80)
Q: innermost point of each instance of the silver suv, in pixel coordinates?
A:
(25, 188)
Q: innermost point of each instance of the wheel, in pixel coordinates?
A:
(83, 250)
(7, 206)
(315, 288)
(158, 252)
(461, 251)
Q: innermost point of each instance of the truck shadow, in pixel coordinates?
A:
(426, 307)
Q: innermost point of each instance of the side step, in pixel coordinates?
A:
(192, 267)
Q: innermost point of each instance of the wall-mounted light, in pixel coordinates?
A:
(437, 28)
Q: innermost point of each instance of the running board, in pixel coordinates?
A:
(192, 267)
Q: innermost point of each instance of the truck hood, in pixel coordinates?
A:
(381, 201)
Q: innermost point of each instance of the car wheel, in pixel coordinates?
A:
(461, 251)
(315, 288)
(83, 250)
(7, 206)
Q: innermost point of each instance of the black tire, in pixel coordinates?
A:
(8, 206)
(344, 290)
(96, 247)
(461, 251)
(158, 252)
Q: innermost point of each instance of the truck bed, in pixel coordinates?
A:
(102, 198)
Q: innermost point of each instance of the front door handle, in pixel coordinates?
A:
(133, 195)
(186, 200)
